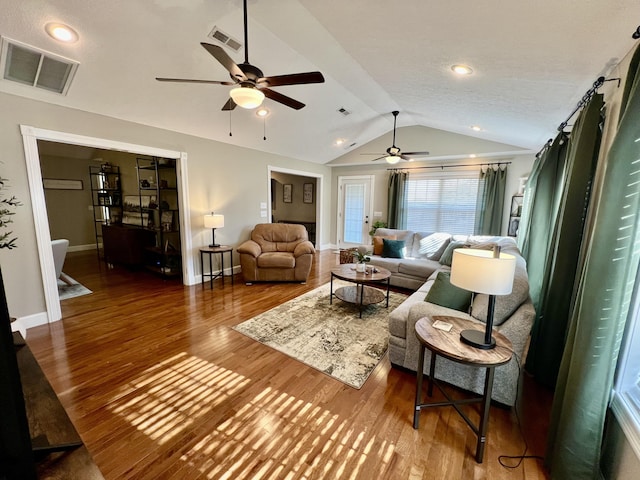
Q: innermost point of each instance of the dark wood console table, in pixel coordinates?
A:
(58, 449)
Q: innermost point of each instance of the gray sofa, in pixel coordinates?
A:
(514, 313)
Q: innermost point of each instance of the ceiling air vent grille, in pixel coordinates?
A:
(27, 65)
(344, 111)
(224, 39)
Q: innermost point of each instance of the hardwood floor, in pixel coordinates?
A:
(160, 387)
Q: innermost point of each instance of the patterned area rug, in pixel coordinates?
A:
(329, 338)
(71, 289)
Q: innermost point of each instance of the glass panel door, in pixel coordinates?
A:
(354, 215)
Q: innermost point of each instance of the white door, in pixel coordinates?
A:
(355, 201)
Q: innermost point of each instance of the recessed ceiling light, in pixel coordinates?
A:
(340, 141)
(263, 112)
(462, 69)
(475, 128)
(473, 155)
(61, 32)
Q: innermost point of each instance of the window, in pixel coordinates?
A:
(442, 202)
(626, 395)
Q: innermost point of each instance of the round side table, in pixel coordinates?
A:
(447, 344)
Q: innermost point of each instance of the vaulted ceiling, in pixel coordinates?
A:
(532, 63)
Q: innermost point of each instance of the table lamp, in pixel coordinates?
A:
(483, 271)
(213, 221)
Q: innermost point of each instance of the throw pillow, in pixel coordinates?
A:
(443, 293)
(433, 246)
(377, 243)
(392, 248)
(447, 255)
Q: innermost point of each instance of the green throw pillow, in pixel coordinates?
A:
(447, 256)
(392, 248)
(443, 293)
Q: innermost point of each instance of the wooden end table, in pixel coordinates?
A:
(221, 250)
(360, 294)
(449, 346)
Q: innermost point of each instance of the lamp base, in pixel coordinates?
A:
(475, 338)
(214, 245)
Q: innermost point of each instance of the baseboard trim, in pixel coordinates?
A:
(82, 248)
(22, 324)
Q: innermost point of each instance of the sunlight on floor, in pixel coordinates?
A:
(270, 435)
(169, 397)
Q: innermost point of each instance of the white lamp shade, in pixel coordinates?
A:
(247, 97)
(214, 220)
(392, 159)
(478, 271)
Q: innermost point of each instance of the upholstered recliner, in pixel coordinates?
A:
(276, 252)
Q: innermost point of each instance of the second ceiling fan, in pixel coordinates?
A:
(252, 85)
(394, 154)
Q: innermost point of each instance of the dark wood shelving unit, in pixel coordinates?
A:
(106, 199)
(157, 179)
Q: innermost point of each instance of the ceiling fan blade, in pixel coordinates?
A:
(230, 105)
(376, 159)
(292, 79)
(283, 99)
(187, 80)
(226, 61)
(415, 154)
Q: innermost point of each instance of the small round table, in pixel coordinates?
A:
(221, 250)
(448, 345)
(360, 294)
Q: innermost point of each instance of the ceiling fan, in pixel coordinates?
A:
(394, 154)
(252, 85)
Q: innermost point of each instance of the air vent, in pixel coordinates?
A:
(344, 111)
(224, 39)
(350, 146)
(27, 65)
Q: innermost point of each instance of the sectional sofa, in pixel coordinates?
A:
(422, 260)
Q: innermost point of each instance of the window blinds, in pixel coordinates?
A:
(442, 202)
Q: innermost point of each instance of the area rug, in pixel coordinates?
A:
(329, 338)
(71, 288)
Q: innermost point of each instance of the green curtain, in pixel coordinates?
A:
(600, 309)
(396, 211)
(540, 208)
(557, 267)
(490, 204)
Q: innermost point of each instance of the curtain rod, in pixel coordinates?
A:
(587, 97)
(583, 101)
(452, 166)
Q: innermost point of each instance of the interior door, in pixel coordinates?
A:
(354, 212)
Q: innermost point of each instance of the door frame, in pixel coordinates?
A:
(30, 137)
(340, 212)
(318, 196)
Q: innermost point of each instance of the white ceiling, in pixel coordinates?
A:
(533, 61)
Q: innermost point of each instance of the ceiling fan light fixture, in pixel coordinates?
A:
(392, 159)
(247, 97)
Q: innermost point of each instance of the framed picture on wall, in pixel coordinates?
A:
(286, 193)
(307, 194)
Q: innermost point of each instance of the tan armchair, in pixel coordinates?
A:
(277, 252)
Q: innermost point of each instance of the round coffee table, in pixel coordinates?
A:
(360, 294)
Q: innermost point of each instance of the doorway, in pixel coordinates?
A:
(355, 203)
(296, 197)
(30, 136)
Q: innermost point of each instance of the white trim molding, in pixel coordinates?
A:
(30, 137)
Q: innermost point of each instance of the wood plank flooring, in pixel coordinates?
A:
(159, 386)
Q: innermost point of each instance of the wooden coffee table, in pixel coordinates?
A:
(360, 294)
